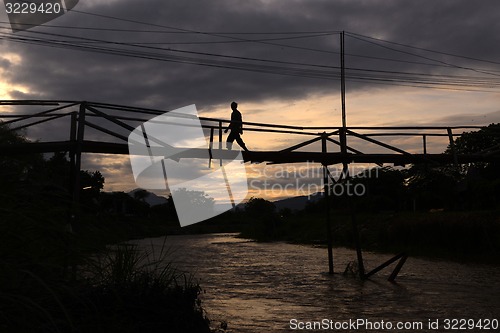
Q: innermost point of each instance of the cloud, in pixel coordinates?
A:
(471, 118)
(70, 74)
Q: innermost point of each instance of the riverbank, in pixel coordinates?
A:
(459, 236)
(53, 279)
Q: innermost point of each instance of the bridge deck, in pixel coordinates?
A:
(327, 158)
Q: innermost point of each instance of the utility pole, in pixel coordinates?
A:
(342, 79)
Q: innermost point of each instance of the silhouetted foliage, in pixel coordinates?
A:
(480, 182)
(486, 140)
(264, 220)
(140, 194)
(18, 167)
(385, 189)
(432, 188)
(259, 208)
(41, 289)
(478, 141)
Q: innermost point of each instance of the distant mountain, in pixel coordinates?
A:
(297, 203)
(294, 204)
(150, 198)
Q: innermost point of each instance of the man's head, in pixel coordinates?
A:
(234, 105)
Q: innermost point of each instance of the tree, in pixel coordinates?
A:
(263, 218)
(30, 175)
(91, 185)
(17, 167)
(259, 208)
(432, 187)
(141, 195)
(384, 189)
(487, 139)
(478, 141)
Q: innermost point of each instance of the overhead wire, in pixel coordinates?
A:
(258, 64)
(264, 69)
(356, 36)
(426, 49)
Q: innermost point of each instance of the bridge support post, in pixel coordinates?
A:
(210, 147)
(452, 147)
(357, 242)
(72, 173)
(327, 207)
(220, 140)
(76, 162)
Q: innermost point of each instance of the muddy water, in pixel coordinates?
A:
(279, 287)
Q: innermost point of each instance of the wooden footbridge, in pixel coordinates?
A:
(80, 127)
(115, 122)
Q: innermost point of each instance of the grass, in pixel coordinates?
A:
(136, 290)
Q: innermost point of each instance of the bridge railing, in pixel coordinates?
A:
(113, 123)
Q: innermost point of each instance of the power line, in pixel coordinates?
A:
(301, 34)
(227, 35)
(427, 50)
(268, 66)
(393, 80)
(93, 40)
(267, 69)
(420, 56)
(177, 32)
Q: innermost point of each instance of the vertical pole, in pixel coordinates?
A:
(343, 131)
(345, 162)
(327, 206)
(78, 163)
(424, 139)
(342, 79)
(424, 142)
(220, 141)
(357, 243)
(210, 147)
(69, 260)
(452, 146)
(72, 139)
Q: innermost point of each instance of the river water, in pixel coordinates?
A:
(280, 287)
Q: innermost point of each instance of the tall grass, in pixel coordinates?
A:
(118, 288)
(139, 290)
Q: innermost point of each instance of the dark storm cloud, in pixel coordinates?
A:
(461, 27)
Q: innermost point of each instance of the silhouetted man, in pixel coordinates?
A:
(236, 127)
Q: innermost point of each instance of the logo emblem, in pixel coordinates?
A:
(170, 152)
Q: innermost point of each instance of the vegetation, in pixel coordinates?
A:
(62, 277)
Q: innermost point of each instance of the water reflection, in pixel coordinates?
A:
(259, 287)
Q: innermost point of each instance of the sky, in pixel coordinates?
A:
(408, 63)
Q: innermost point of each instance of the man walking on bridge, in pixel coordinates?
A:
(236, 127)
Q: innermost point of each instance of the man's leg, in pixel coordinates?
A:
(241, 143)
(229, 142)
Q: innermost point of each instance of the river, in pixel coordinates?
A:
(280, 287)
